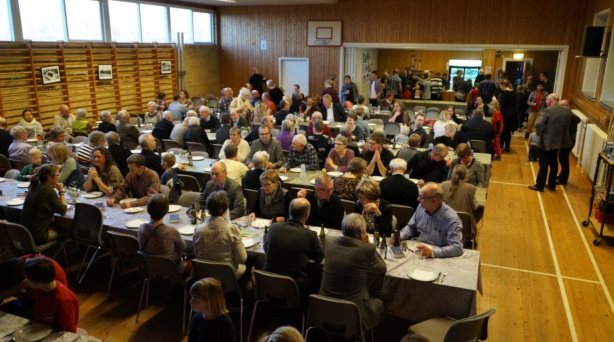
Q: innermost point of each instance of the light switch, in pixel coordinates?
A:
(263, 44)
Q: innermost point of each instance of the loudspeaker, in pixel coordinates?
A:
(592, 40)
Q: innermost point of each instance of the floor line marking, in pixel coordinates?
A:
(539, 273)
(508, 183)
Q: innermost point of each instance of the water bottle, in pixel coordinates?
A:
(322, 235)
(303, 171)
(384, 247)
(193, 215)
(190, 160)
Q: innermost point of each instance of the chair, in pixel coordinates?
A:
(449, 330)
(216, 150)
(376, 121)
(18, 164)
(22, 238)
(250, 197)
(392, 129)
(123, 251)
(190, 183)
(225, 274)
(279, 291)
(348, 206)
(468, 229)
(11, 174)
(334, 316)
(212, 102)
(80, 139)
(170, 143)
(403, 213)
(419, 109)
(432, 115)
(5, 163)
(478, 146)
(433, 109)
(188, 198)
(195, 146)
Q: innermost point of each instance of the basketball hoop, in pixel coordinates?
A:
(323, 42)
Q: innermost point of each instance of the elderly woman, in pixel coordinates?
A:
(19, 149)
(452, 137)
(252, 177)
(242, 103)
(286, 135)
(104, 175)
(71, 174)
(339, 158)
(42, 203)
(34, 128)
(317, 116)
(152, 116)
(107, 124)
(81, 123)
(218, 239)
(195, 134)
(345, 186)
(376, 211)
(273, 200)
(377, 155)
(475, 169)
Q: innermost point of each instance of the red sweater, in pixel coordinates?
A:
(60, 308)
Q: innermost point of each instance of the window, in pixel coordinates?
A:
(203, 27)
(124, 21)
(42, 25)
(181, 21)
(83, 18)
(154, 24)
(607, 92)
(5, 21)
(592, 66)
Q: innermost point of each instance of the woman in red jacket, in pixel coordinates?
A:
(497, 125)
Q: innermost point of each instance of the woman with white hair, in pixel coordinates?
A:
(81, 124)
(107, 124)
(195, 134)
(439, 128)
(19, 149)
(242, 103)
(152, 116)
(286, 135)
(252, 177)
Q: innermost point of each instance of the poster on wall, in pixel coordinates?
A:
(324, 33)
(51, 74)
(105, 72)
(165, 67)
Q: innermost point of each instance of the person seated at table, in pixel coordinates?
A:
(71, 172)
(208, 121)
(354, 270)
(36, 158)
(103, 175)
(397, 189)
(301, 152)
(223, 133)
(358, 134)
(235, 169)
(268, 144)
(409, 151)
(81, 123)
(477, 128)
(388, 102)
(126, 130)
(169, 177)
(291, 249)
(397, 114)
(84, 152)
(140, 183)
(151, 116)
(195, 134)
(320, 141)
(345, 185)
(376, 211)
(332, 111)
(54, 303)
(19, 149)
(220, 181)
(315, 117)
(475, 169)
(156, 238)
(211, 320)
(56, 135)
(64, 119)
(237, 120)
(164, 126)
(403, 137)
(307, 108)
(286, 135)
(42, 203)
(5, 137)
(266, 121)
(419, 129)
(284, 109)
(360, 122)
(452, 137)
(339, 158)
(376, 155)
(272, 200)
(436, 224)
(439, 127)
(148, 150)
(326, 207)
(252, 177)
(430, 165)
(218, 239)
(119, 152)
(106, 125)
(235, 139)
(34, 128)
(459, 194)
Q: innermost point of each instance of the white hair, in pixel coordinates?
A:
(81, 113)
(317, 115)
(299, 139)
(190, 113)
(245, 91)
(193, 121)
(260, 159)
(398, 163)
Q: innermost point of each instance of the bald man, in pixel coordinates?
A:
(220, 181)
(64, 119)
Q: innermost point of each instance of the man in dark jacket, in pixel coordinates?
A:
(164, 127)
(326, 207)
(429, 166)
(477, 128)
(397, 189)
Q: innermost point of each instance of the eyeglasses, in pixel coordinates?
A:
(420, 198)
(324, 189)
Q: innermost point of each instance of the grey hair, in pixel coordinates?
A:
(194, 121)
(190, 113)
(353, 225)
(81, 113)
(105, 115)
(300, 139)
(143, 138)
(317, 115)
(398, 163)
(168, 113)
(112, 138)
(286, 125)
(55, 132)
(16, 130)
(260, 159)
(96, 138)
(151, 104)
(123, 115)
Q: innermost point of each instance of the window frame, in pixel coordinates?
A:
(102, 24)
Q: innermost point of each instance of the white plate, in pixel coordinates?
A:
(283, 178)
(260, 223)
(136, 223)
(15, 202)
(133, 210)
(126, 200)
(173, 208)
(250, 242)
(335, 173)
(135, 151)
(197, 158)
(147, 131)
(422, 275)
(93, 194)
(207, 169)
(312, 182)
(188, 229)
(377, 178)
(326, 122)
(33, 332)
(23, 184)
(2, 179)
(295, 169)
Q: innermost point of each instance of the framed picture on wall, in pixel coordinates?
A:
(51, 74)
(165, 67)
(105, 72)
(324, 33)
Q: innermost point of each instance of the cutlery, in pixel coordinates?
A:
(438, 278)
(443, 277)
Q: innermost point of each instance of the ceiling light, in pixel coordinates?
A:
(518, 55)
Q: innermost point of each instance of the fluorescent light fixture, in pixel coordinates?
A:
(231, 1)
(465, 62)
(518, 55)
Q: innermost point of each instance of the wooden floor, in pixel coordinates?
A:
(540, 269)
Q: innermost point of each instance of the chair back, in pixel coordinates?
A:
(200, 153)
(470, 329)
(432, 115)
(87, 225)
(478, 146)
(18, 164)
(190, 183)
(159, 266)
(334, 316)
(376, 121)
(175, 150)
(170, 143)
(123, 246)
(21, 236)
(212, 102)
(348, 206)
(219, 270)
(216, 150)
(5, 163)
(250, 197)
(278, 290)
(392, 129)
(82, 139)
(419, 109)
(188, 198)
(11, 174)
(403, 213)
(468, 229)
(195, 146)
(433, 109)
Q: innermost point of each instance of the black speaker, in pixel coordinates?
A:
(592, 40)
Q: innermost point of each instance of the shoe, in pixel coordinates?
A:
(536, 188)
(551, 187)
(560, 182)
(526, 135)
(507, 149)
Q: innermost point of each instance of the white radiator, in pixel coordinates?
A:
(580, 135)
(594, 140)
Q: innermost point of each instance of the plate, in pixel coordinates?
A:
(295, 169)
(136, 223)
(197, 158)
(93, 194)
(133, 210)
(33, 332)
(377, 178)
(260, 223)
(15, 201)
(250, 242)
(173, 208)
(335, 173)
(283, 178)
(422, 275)
(2, 179)
(207, 169)
(23, 184)
(372, 124)
(312, 182)
(135, 151)
(126, 200)
(188, 229)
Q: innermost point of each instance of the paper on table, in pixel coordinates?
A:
(250, 242)
(10, 323)
(260, 223)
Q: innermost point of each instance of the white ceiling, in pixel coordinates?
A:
(262, 2)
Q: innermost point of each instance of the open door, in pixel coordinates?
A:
(294, 71)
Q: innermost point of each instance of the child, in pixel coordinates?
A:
(211, 321)
(497, 125)
(36, 157)
(533, 149)
(54, 303)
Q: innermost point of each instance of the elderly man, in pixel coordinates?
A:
(326, 207)
(436, 224)
(317, 116)
(107, 124)
(127, 131)
(252, 177)
(84, 152)
(234, 168)
(267, 121)
(235, 139)
(429, 166)
(452, 136)
(164, 127)
(566, 148)
(397, 189)
(301, 153)
(290, 248)
(140, 183)
(148, 148)
(268, 144)
(5, 138)
(19, 149)
(220, 181)
(208, 121)
(223, 104)
(419, 129)
(179, 129)
(332, 111)
(554, 127)
(65, 119)
(120, 153)
(177, 108)
(271, 107)
(236, 119)
(354, 271)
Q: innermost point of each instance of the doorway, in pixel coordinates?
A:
(293, 71)
(517, 69)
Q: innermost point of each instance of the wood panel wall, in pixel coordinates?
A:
(136, 77)
(202, 77)
(435, 61)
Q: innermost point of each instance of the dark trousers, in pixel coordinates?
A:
(564, 161)
(547, 160)
(374, 102)
(506, 138)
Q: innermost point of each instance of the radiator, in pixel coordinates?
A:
(594, 140)
(580, 135)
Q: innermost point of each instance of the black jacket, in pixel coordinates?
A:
(330, 214)
(120, 154)
(397, 189)
(163, 129)
(153, 161)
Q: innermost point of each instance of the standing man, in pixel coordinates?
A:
(566, 148)
(537, 103)
(393, 84)
(256, 79)
(330, 90)
(375, 89)
(554, 127)
(275, 92)
(349, 91)
(298, 98)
